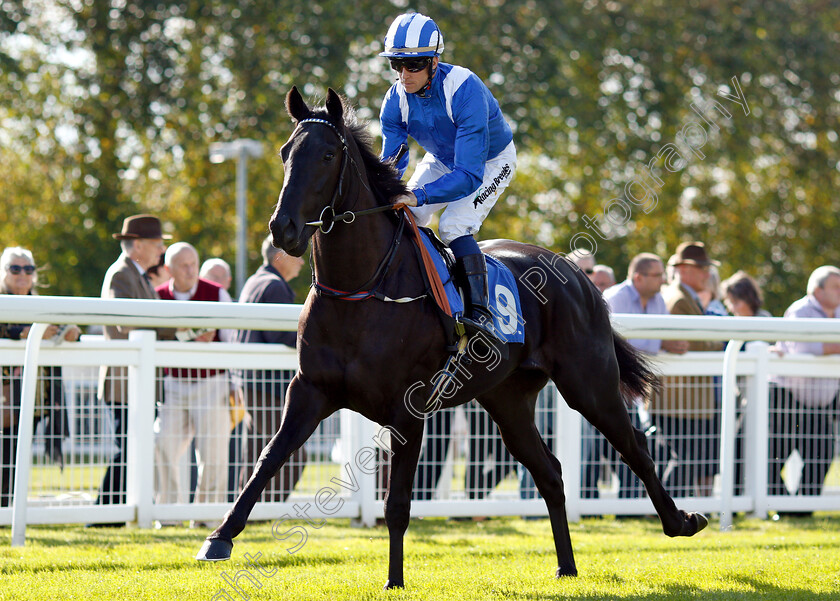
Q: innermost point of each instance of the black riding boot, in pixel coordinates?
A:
(477, 316)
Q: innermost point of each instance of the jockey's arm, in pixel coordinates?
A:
(394, 132)
(472, 142)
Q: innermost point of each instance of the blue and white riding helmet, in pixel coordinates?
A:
(411, 35)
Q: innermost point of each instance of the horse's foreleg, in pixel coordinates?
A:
(398, 497)
(305, 407)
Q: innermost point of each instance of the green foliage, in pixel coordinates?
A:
(107, 111)
(504, 558)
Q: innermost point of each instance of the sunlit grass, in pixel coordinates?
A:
(503, 558)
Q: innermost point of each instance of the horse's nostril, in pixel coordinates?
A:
(283, 231)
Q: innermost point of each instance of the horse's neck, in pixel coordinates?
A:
(347, 257)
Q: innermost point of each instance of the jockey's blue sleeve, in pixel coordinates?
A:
(470, 115)
(394, 131)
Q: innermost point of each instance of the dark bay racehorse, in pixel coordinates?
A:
(366, 355)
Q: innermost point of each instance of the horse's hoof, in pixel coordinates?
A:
(565, 572)
(393, 584)
(692, 523)
(215, 550)
(701, 520)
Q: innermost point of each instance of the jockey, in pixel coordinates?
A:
(470, 157)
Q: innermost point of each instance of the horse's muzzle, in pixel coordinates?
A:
(285, 235)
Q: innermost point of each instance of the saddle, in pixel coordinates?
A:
(437, 267)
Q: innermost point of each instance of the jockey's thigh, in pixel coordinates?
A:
(428, 170)
(464, 216)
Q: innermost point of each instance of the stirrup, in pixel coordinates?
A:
(488, 332)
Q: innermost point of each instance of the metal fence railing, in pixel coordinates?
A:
(726, 432)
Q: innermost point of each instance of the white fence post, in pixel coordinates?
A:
(365, 449)
(23, 460)
(140, 460)
(727, 433)
(567, 429)
(758, 408)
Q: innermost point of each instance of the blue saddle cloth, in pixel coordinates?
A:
(504, 294)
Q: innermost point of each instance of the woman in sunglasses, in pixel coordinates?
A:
(470, 156)
(20, 276)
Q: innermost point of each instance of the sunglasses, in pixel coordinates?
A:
(16, 269)
(412, 65)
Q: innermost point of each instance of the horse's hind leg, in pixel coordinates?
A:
(507, 406)
(306, 406)
(596, 396)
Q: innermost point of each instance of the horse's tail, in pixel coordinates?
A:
(637, 378)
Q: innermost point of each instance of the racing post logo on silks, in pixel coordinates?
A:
(485, 193)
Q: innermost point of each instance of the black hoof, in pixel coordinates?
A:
(215, 550)
(391, 584)
(566, 572)
(692, 523)
(701, 520)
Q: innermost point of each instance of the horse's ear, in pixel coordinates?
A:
(334, 106)
(296, 106)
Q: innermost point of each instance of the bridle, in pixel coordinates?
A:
(327, 219)
(328, 215)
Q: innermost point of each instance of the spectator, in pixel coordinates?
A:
(196, 400)
(709, 299)
(742, 296)
(20, 276)
(585, 262)
(159, 273)
(685, 409)
(603, 277)
(802, 409)
(264, 392)
(141, 241)
(216, 270)
(639, 294)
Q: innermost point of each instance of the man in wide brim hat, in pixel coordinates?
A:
(142, 227)
(692, 253)
(141, 242)
(683, 409)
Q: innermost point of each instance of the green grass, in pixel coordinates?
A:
(503, 558)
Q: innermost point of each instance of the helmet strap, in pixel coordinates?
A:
(423, 92)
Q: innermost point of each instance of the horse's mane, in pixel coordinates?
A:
(384, 180)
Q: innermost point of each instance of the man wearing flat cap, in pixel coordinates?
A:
(141, 240)
(684, 410)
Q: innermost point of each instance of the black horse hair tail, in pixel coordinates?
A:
(637, 378)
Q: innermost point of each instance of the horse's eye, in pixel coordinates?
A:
(329, 156)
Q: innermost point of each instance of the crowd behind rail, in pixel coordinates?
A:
(211, 424)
